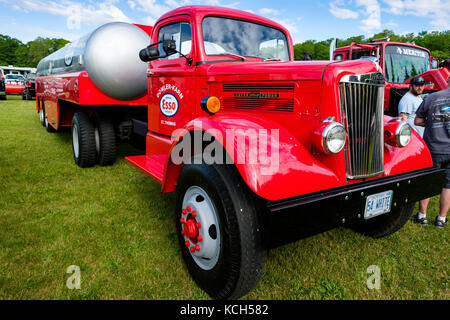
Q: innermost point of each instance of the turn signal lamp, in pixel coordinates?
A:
(210, 104)
(397, 132)
(329, 136)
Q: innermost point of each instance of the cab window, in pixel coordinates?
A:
(181, 33)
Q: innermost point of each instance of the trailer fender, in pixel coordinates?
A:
(272, 162)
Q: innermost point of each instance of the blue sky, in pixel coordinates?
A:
(318, 20)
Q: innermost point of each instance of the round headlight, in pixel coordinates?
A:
(333, 137)
(403, 134)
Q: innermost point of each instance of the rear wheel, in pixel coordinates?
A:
(220, 230)
(47, 125)
(42, 116)
(83, 140)
(105, 139)
(385, 224)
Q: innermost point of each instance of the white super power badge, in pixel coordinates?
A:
(168, 105)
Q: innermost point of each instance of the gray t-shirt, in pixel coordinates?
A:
(409, 105)
(435, 109)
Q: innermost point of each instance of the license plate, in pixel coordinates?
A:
(377, 204)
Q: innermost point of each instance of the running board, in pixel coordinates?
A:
(151, 165)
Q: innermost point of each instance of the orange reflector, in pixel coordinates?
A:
(213, 104)
(210, 105)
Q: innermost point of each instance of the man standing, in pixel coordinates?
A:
(434, 115)
(410, 102)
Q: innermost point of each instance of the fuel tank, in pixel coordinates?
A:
(110, 56)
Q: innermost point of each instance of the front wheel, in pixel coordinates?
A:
(385, 224)
(220, 230)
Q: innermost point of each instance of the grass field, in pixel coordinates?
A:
(114, 224)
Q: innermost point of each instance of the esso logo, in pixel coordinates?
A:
(168, 105)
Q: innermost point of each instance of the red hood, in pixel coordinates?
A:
(291, 70)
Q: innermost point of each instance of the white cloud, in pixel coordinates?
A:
(92, 14)
(288, 24)
(131, 4)
(438, 11)
(268, 11)
(342, 13)
(372, 10)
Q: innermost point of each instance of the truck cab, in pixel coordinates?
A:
(263, 150)
(398, 61)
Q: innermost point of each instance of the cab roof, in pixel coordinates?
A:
(198, 12)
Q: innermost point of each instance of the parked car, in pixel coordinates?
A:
(2, 86)
(14, 83)
(28, 91)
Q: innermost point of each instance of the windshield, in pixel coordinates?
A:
(404, 62)
(14, 76)
(243, 38)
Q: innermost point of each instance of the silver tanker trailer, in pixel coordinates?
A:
(97, 85)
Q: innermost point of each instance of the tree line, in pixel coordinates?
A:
(14, 52)
(437, 42)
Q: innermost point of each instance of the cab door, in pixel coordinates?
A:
(172, 79)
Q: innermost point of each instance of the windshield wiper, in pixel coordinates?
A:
(230, 54)
(270, 59)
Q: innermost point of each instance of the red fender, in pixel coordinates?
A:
(276, 175)
(414, 156)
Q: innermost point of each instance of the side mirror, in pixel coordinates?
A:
(148, 54)
(170, 47)
(152, 52)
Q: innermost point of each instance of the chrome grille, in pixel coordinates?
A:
(362, 98)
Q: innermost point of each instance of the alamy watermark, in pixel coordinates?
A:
(74, 17)
(257, 147)
(374, 281)
(74, 281)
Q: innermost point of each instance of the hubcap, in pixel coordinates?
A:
(200, 227)
(97, 140)
(75, 142)
(41, 115)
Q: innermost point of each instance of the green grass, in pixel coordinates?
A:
(114, 223)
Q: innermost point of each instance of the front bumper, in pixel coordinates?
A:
(303, 216)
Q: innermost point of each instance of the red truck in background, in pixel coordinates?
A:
(97, 86)
(261, 150)
(399, 62)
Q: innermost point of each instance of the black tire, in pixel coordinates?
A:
(385, 224)
(83, 140)
(3, 97)
(241, 255)
(105, 139)
(47, 125)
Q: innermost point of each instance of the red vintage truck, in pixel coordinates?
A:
(261, 150)
(97, 86)
(399, 63)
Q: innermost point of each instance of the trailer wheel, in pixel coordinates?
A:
(48, 127)
(105, 139)
(83, 140)
(220, 230)
(385, 224)
(42, 116)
